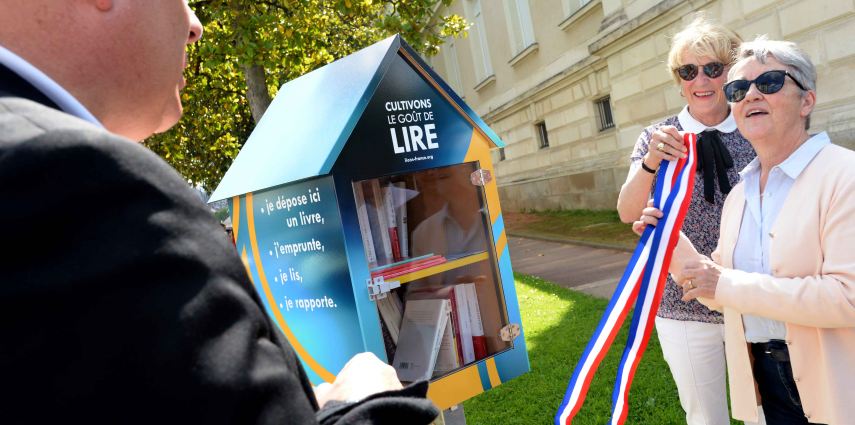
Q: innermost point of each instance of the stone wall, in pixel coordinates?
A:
(619, 48)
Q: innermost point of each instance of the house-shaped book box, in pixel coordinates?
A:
(366, 212)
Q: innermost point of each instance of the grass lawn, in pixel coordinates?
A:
(601, 226)
(558, 323)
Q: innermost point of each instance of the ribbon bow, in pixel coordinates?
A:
(714, 160)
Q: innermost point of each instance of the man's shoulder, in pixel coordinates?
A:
(27, 126)
(22, 119)
(78, 156)
(31, 130)
(432, 223)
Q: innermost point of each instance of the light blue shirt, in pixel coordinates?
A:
(751, 253)
(46, 85)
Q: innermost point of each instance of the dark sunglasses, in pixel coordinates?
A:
(768, 82)
(689, 71)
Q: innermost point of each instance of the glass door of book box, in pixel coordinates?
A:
(430, 231)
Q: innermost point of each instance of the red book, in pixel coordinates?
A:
(479, 342)
(396, 247)
(420, 266)
(405, 265)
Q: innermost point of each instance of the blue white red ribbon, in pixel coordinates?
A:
(642, 282)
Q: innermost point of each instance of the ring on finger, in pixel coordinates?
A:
(691, 285)
(660, 147)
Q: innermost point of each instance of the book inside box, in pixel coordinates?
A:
(430, 231)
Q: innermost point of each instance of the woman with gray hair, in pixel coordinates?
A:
(692, 336)
(783, 272)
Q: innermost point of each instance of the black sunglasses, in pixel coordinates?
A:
(689, 71)
(768, 82)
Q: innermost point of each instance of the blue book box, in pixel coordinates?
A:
(366, 185)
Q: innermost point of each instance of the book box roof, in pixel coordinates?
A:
(309, 122)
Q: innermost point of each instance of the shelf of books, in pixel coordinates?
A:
(428, 232)
(425, 265)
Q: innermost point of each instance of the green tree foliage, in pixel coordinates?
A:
(251, 47)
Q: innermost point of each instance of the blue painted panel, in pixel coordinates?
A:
(302, 256)
(308, 123)
(485, 376)
(514, 362)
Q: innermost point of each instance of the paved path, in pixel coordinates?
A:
(595, 271)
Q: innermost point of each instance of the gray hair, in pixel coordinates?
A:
(786, 52)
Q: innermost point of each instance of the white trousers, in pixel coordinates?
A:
(694, 352)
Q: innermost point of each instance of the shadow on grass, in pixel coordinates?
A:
(558, 323)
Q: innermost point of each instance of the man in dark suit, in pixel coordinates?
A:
(122, 300)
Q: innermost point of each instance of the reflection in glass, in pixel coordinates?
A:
(430, 230)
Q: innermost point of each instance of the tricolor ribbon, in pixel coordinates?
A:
(642, 282)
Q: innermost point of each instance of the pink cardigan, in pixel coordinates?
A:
(812, 289)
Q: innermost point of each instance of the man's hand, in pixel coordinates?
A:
(362, 376)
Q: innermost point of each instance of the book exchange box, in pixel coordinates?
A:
(365, 210)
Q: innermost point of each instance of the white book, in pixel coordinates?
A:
(422, 330)
(447, 359)
(459, 324)
(479, 341)
(391, 315)
(383, 223)
(387, 316)
(401, 216)
(464, 318)
(388, 197)
(364, 225)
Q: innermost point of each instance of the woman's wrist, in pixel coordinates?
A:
(646, 167)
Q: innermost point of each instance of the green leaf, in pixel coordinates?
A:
(288, 38)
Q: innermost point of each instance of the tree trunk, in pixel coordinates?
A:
(256, 90)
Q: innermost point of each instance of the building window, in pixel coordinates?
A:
(604, 112)
(571, 6)
(519, 24)
(452, 69)
(478, 37)
(542, 135)
(501, 154)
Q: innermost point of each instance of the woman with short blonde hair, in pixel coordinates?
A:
(691, 335)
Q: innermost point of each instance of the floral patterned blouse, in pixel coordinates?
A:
(703, 218)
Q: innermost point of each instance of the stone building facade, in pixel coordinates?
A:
(569, 84)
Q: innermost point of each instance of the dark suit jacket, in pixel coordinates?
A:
(121, 299)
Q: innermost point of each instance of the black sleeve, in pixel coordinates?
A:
(406, 406)
(123, 301)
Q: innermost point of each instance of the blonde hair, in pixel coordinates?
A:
(702, 37)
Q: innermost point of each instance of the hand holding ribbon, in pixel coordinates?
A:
(642, 282)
